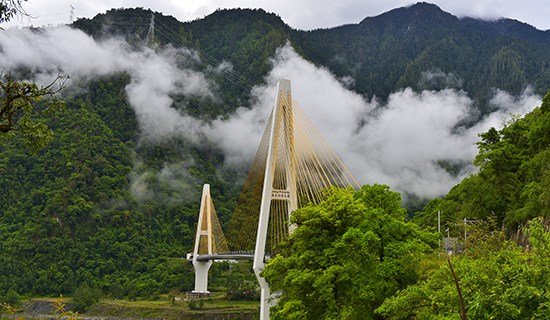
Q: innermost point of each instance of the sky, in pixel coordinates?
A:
(300, 14)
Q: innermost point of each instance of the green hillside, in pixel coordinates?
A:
(101, 207)
(382, 54)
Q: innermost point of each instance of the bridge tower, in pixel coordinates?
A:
(292, 159)
(280, 166)
(205, 241)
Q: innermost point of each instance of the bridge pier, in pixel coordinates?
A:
(201, 275)
(267, 300)
(204, 242)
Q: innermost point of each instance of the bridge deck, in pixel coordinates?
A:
(222, 256)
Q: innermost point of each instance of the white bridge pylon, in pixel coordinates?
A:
(292, 168)
(281, 162)
(279, 194)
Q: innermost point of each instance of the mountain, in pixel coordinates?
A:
(396, 49)
(102, 207)
(382, 54)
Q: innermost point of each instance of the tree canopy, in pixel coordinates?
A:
(498, 278)
(10, 9)
(346, 256)
(23, 106)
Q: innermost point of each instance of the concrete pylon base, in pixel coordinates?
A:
(201, 276)
(267, 300)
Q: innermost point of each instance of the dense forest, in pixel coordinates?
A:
(102, 207)
(382, 54)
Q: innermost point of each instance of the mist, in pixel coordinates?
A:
(154, 76)
(404, 142)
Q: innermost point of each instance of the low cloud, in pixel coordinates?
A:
(404, 143)
(437, 79)
(172, 184)
(154, 76)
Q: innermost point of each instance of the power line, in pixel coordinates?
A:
(158, 29)
(229, 73)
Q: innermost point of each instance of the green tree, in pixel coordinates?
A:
(498, 279)
(18, 98)
(18, 109)
(84, 297)
(11, 298)
(10, 9)
(241, 283)
(346, 256)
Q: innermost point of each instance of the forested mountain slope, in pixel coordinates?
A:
(407, 47)
(106, 207)
(420, 46)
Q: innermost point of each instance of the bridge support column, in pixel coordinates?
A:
(203, 242)
(281, 133)
(267, 300)
(201, 275)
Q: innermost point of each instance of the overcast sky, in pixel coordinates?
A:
(300, 14)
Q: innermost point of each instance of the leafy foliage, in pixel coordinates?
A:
(67, 216)
(94, 206)
(84, 297)
(18, 114)
(10, 9)
(499, 280)
(346, 256)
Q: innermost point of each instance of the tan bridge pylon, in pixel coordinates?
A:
(292, 167)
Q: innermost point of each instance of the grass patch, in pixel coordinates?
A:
(167, 308)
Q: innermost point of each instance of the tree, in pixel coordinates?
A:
(346, 256)
(17, 108)
(84, 297)
(498, 279)
(11, 8)
(18, 98)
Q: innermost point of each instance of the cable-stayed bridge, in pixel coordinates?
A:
(291, 168)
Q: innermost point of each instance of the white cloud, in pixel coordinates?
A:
(400, 143)
(154, 77)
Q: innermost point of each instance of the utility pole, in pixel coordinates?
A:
(439, 226)
(438, 221)
(150, 38)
